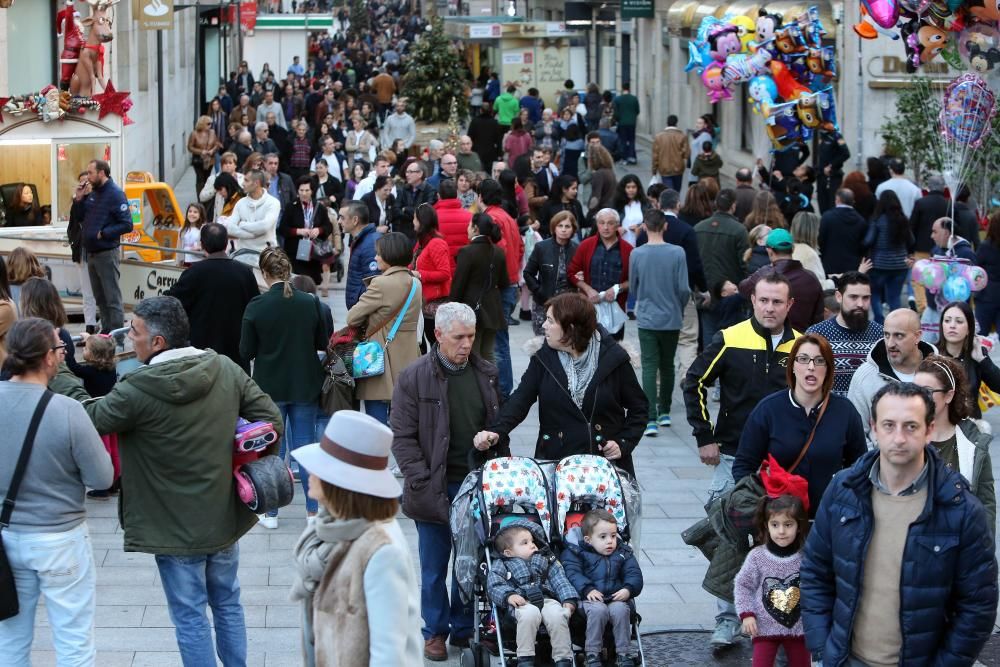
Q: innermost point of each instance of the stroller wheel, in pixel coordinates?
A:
(271, 482)
(469, 658)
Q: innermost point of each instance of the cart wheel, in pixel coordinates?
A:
(272, 484)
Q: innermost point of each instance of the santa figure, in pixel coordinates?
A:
(69, 29)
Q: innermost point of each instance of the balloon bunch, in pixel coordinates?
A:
(963, 32)
(952, 279)
(786, 67)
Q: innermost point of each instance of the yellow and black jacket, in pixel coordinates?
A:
(748, 369)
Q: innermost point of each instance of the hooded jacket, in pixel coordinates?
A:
(507, 108)
(842, 232)
(589, 571)
(976, 465)
(614, 406)
(748, 369)
(175, 420)
(948, 583)
(872, 375)
(511, 575)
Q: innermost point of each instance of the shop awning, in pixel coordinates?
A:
(684, 16)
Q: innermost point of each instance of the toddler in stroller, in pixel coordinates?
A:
(529, 583)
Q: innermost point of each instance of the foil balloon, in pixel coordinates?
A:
(822, 64)
(789, 42)
(967, 111)
(956, 288)
(987, 11)
(700, 52)
(723, 41)
(923, 42)
(715, 83)
(784, 128)
(762, 91)
(746, 28)
(884, 13)
(766, 27)
(788, 88)
(741, 67)
(976, 275)
(929, 274)
(979, 44)
(817, 111)
(812, 28)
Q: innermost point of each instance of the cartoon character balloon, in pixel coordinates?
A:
(746, 29)
(784, 128)
(968, 110)
(923, 42)
(763, 91)
(788, 87)
(715, 83)
(884, 13)
(931, 275)
(976, 275)
(956, 288)
(766, 27)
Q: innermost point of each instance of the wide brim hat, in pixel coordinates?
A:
(353, 454)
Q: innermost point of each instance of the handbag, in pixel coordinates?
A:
(322, 248)
(739, 504)
(8, 590)
(338, 386)
(430, 308)
(303, 251)
(369, 355)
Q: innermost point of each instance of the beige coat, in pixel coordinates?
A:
(8, 315)
(670, 152)
(384, 295)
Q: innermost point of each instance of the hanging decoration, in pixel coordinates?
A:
(50, 104)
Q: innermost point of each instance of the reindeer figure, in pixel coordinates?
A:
(89, 74)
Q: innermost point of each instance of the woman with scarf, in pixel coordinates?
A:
(593, 401)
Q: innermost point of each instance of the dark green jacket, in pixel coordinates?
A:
(282, 336)
(626, 108)
(175, 421)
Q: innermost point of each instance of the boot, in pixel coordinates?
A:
(594, 660)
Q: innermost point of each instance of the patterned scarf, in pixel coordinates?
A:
(580, 371)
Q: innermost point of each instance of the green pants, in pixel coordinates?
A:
(657, 349)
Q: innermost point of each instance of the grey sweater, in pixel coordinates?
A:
(68, 457)
(657, 276)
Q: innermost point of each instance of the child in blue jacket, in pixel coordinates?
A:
(606, 574)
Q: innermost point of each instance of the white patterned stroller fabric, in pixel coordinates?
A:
(593, 480)
(515, 480)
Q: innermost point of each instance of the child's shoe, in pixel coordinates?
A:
(594, 660)
(625, 661)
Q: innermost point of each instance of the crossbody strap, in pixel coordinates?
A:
(22, 460)
(812, 435)
(402, 313)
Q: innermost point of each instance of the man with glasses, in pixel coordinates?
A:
(449, 167)
(415, 192)
(893, 359)
(749, 360)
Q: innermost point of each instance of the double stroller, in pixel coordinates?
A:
(553, 495)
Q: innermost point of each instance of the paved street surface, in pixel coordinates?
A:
(133, 626)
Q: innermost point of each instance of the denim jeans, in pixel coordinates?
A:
(300, 429)
(60, 568)
(501, 348)
(722, 481)
(673, 182)
(190, 583)
(886, 285)
(104, 277)
(626, 135)
(378, 409)
(441, 616)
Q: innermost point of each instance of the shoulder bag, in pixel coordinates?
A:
(369, 355)
(8, 590)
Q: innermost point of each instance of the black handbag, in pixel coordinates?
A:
(8, 590)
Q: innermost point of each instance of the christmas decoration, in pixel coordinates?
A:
(90, 68)
(454, 130)
(113, 101)
(3, 103)
(434, 77)
(52, 104)
(70, 29)
(359, 21)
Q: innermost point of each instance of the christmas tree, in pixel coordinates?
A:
(451, 144)
(358, 17)
(434, 76)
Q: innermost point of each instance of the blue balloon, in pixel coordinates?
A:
(956, 288)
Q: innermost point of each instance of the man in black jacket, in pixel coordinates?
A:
(214, 292)
(415, 192)
(833, 153)
(926, 210)
(682, 234)
(841, 235)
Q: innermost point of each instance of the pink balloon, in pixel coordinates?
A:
(883, 12)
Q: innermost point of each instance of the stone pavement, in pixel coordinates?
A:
(133, 626)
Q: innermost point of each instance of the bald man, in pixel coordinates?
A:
(893, 359)
(467, 158)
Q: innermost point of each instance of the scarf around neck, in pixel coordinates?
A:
(580, 371)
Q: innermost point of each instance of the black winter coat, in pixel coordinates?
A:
(842, 233)
(541, 269)
(614, 406)
(588, 570)
(486, 137)
(948, 586)
(988, 257)
(480, 275)
(292, 220)
(926, 210)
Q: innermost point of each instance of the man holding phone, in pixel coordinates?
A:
(105, 218)
(74, 230)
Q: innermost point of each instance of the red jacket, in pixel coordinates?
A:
(435, 266)
(453, 223)
(585, 253)
(512, 244)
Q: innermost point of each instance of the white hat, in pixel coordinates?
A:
(353, 454)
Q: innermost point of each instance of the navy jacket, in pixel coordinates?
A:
(780, 427)
(588, 570)
(105, 210)
(362, 264)
(948, 587)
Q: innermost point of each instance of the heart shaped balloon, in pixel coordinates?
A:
(967, 111)
(883, 12)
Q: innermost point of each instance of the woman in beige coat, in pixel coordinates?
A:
(376, 312)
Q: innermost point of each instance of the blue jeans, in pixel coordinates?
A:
(300, 429)
(673, 182)
(378, 409)
(722, 481)
(441, 618)
(626, 135)
(191, 582)
(501, 348)
(887, 285)
(60, 568)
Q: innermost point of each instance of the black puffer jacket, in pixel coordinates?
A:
(541, 270)
(614, 406)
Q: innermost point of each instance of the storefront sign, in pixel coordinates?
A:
(890, 72)
(637, 9)
(485, 31)
(154, 14)
(140, 280)
(247, 14)
(556, 30)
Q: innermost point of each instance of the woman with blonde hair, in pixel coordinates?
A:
(755, 256)
(203, 144)
(765, 211)
(283, 330)
(254, 162)
(21, 265)
(805, 231)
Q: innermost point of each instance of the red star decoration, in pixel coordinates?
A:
(113, 101)
(3, 101)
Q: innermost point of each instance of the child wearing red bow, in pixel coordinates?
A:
(767, 587)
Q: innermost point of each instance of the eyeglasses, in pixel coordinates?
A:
(804, 359)
(59, 348)
(934, 391)
(413, 171)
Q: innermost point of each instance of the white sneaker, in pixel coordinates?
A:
(269, 522)
(310, 520)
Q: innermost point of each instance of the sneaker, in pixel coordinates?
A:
(594, 660)
(651, 430)
(625, 661)
(664, 420)
(512, 322)
(725, 633)
(631, 315)
(269, 522)
(435, 650)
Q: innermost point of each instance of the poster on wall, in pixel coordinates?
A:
(154, 14)
(551, 71)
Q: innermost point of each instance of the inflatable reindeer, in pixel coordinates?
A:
(90, 76)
